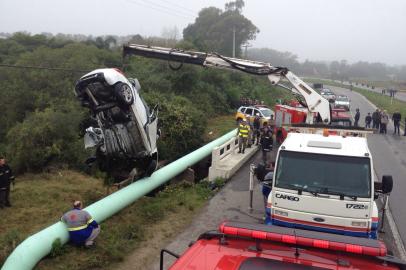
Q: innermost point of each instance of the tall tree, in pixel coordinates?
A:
(213, 29)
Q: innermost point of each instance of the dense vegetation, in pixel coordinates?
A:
(42, 123)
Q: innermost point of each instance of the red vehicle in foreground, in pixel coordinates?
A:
(245, 246)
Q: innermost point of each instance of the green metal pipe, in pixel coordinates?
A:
(37, 246)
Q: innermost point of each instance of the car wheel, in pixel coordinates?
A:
(124, 94)
(151, 168)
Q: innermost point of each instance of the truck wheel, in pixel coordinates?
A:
(124, 94)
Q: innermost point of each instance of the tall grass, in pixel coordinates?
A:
(40, 200)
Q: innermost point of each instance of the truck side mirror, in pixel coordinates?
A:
(387, 184)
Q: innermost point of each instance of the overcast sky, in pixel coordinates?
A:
(367, 30)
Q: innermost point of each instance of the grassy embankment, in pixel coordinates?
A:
(219, 126)
(39, 201)
(381, 101)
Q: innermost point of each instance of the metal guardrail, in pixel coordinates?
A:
(37, 246)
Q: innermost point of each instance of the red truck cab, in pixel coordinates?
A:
(286, 114)
(294, 113)
(245, 246)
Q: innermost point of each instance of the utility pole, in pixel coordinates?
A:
(246, 45)
(234, 42)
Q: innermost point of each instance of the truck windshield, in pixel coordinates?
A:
(327, 174)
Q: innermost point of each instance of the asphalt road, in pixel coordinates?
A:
(389, 155)
(399, 95)
(231, 203)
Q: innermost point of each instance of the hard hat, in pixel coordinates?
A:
(244, 120)
(257, 114)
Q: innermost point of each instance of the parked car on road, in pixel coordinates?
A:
(249, 113)
(328, 94)
(342, 102)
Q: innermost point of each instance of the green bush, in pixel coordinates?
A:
(46, 137)
(181, 123)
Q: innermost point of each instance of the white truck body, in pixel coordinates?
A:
(324, 183)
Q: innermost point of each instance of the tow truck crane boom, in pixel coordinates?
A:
(314, 101)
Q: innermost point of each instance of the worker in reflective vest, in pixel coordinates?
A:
(83, 230)
(243, 132)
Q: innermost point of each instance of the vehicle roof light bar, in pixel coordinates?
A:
(320, 240)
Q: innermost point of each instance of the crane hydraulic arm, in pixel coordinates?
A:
(316, 104)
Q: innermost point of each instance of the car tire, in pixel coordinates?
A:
(123, 94)
(151, 168)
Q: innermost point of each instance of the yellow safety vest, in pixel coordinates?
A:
(243, 131)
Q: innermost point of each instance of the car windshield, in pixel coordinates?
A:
(341, 98)
(328, 174)
(344, 123)
(266, 112)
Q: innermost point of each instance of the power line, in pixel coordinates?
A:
(159, 9)
(183, 7)
(58, 69)
(44, 68)
(187, 13)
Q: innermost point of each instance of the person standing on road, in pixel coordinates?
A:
(375, 119)
(272, 123)
(266, 142)
(6, 178)
(405, 127)
(257, 126)
(243, 133)
(396, 117)
(83, 229)
(368, 120)
(356, 117)
(384, 122)
(250, 139)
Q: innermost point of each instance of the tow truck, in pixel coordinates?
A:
(324, 178)
(314, 103)
(332, 187)
(244, 246)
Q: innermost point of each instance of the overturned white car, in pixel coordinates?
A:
(125, 131)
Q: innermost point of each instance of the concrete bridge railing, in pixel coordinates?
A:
(225, 159)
